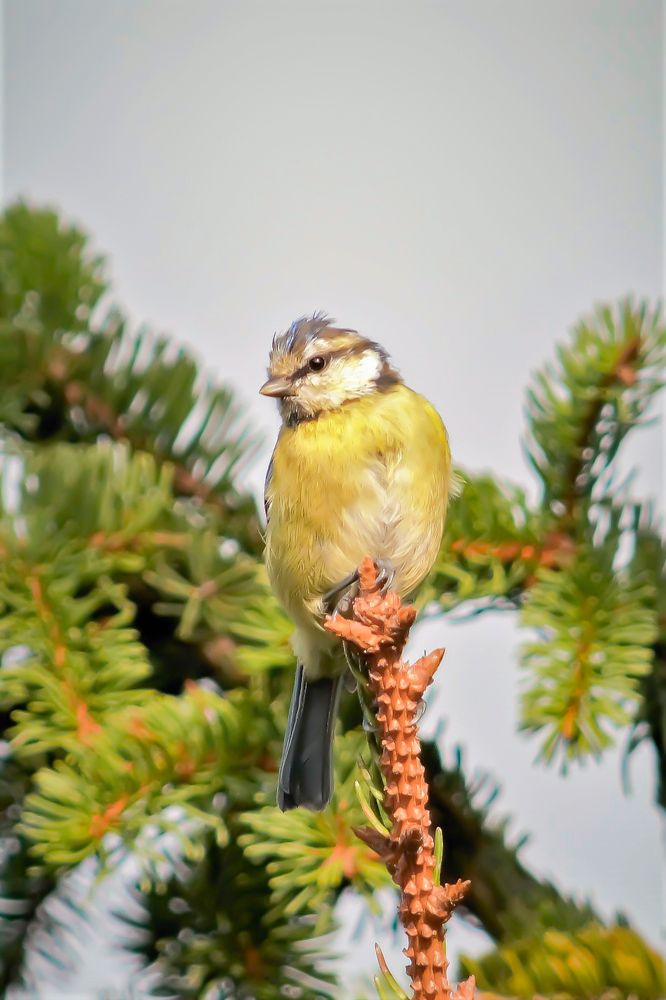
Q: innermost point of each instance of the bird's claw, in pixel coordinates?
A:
(385, 574)
(343, 606)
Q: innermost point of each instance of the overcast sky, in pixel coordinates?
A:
(458, 181)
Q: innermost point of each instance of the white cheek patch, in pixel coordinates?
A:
(351, 377)
(354, 377)
(345, 378)
(361, 371)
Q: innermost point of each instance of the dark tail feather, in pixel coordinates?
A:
(306, 769)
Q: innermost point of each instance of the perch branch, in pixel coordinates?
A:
(379, 627)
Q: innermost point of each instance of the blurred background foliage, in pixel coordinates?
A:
(145, 669)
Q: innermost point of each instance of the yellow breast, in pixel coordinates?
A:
(371, 478)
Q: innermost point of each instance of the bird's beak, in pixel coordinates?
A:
(278, 387)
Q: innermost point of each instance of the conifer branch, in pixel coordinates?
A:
(593, 961)
(622, 374)
(379, 628)
(172, 752)
(72, 368)
(130, 565)
(581, 408)
(101, 415)
(323, 845)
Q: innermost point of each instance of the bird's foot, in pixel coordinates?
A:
(335, 601)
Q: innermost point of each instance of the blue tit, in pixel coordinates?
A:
(361, 467)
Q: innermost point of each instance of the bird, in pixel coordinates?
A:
(361, 467)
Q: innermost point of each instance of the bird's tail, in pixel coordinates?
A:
(306, 768)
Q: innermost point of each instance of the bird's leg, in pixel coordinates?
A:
(341, 607)
(336, 602)
(333, 601)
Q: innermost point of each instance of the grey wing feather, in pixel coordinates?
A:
(267, 483)
(306, 769)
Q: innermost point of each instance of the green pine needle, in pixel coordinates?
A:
(595, 629)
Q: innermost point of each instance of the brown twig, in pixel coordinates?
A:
(379, 628)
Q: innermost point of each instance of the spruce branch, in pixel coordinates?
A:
(177, 413)
(49, 277)
(109, 382)
(323, 845)
(208, 933)
(378, 628)
(596, 630)
(593, 961)
(493, 546)
(173, 752)
(581, 408)
(64, 374)
(70, 659)
(649, 563)
(21, 892)
(129, 563)
(101, 556)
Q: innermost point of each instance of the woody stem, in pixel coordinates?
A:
(379, 629)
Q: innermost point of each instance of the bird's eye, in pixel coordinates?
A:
(317, 364)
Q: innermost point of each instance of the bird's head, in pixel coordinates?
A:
(315, 367)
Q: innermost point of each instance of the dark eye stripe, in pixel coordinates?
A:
(341, 352)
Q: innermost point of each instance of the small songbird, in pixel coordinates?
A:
(361, 467)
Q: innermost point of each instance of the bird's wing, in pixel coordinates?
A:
(267, 483)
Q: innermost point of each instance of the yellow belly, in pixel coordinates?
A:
(371, 478)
